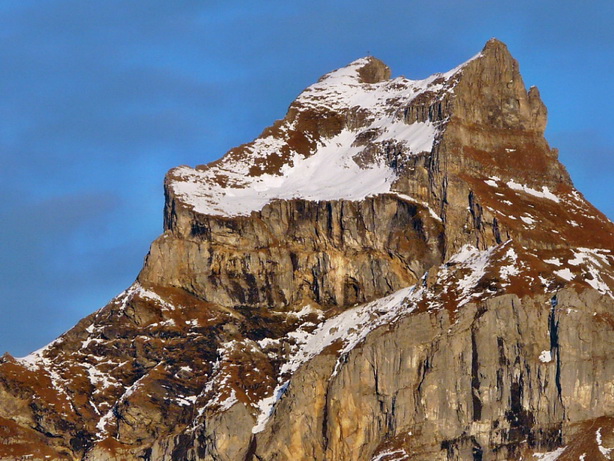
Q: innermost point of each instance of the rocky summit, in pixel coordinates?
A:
(397, 270)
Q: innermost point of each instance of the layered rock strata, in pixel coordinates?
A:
(397, 270)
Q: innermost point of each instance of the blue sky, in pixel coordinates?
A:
(100, 98)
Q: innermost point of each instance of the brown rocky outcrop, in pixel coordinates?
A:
(396, 270)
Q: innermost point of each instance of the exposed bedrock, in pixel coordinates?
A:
(493, 381)
(489, 383)
(334, 253)
(261, 327)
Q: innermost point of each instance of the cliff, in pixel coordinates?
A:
(397, 270)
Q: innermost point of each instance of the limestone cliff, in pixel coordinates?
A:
(397, 270)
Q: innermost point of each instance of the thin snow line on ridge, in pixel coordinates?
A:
(409, 198)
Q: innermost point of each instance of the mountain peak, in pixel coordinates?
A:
(351, 134)
(368, 69)
(331, 144)
(495, 45)
(357, 133)
(374, 70)
(411, 229)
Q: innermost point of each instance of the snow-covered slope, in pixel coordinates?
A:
(338, 165)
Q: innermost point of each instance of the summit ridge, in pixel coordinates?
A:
(356, 108)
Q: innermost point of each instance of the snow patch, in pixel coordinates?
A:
(551, 455)
(37, 361)
(391, 455)
(227, 403)
(565, 274)
(98, 379)
(510, 269)
(545, 357)
(331, 173)
(544, 193)
(102, 424)
(306, 310)
(476, 261)
(152, 296)
(266, 407)
(592, 261)
(185, 401)
(424, 204)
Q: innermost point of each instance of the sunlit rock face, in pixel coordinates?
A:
(397, 270)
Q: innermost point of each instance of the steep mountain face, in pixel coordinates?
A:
(397, 270)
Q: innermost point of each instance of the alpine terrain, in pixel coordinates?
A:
(397, 270)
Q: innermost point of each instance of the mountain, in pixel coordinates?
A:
(397, 270)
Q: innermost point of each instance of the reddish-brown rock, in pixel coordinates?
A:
(396, 270)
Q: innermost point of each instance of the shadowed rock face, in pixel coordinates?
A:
(396, 270)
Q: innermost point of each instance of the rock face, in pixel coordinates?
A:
(397, 270)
